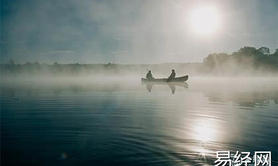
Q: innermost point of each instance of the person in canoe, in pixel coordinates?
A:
(172, 76)
(149, 75)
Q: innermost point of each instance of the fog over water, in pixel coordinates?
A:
(75, 120)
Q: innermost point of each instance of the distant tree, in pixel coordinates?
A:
(246, 58)
(11, 62)
(247, 51)
(275, 53)
(216, 59)
(108, 65)
(264, 50)
(36, 63)
(28, 63)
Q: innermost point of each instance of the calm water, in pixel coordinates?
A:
(128, 123)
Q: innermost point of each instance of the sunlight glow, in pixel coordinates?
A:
(205, 20)
(205, 131)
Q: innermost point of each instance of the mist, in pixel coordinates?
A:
(129, 32)
(138, 82)
(245, 62)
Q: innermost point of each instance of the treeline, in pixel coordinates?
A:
(36, 68)
(57, 68)
(246, 59)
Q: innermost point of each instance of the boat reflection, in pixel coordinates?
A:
(171, 85)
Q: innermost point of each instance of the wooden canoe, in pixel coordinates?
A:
(177, 79)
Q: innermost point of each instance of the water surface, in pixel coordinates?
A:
(114, 122)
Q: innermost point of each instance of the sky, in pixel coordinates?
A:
(130, 31)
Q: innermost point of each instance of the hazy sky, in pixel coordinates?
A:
(130, 31)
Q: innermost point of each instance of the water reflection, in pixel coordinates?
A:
(204, 130)
(120, 123)
(171, 85)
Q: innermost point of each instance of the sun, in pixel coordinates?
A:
(205, 20)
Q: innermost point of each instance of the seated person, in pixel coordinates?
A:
(149, 75)
(172, 76)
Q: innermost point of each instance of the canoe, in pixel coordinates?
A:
(177, 79)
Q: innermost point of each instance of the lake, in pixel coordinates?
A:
(74, 121)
